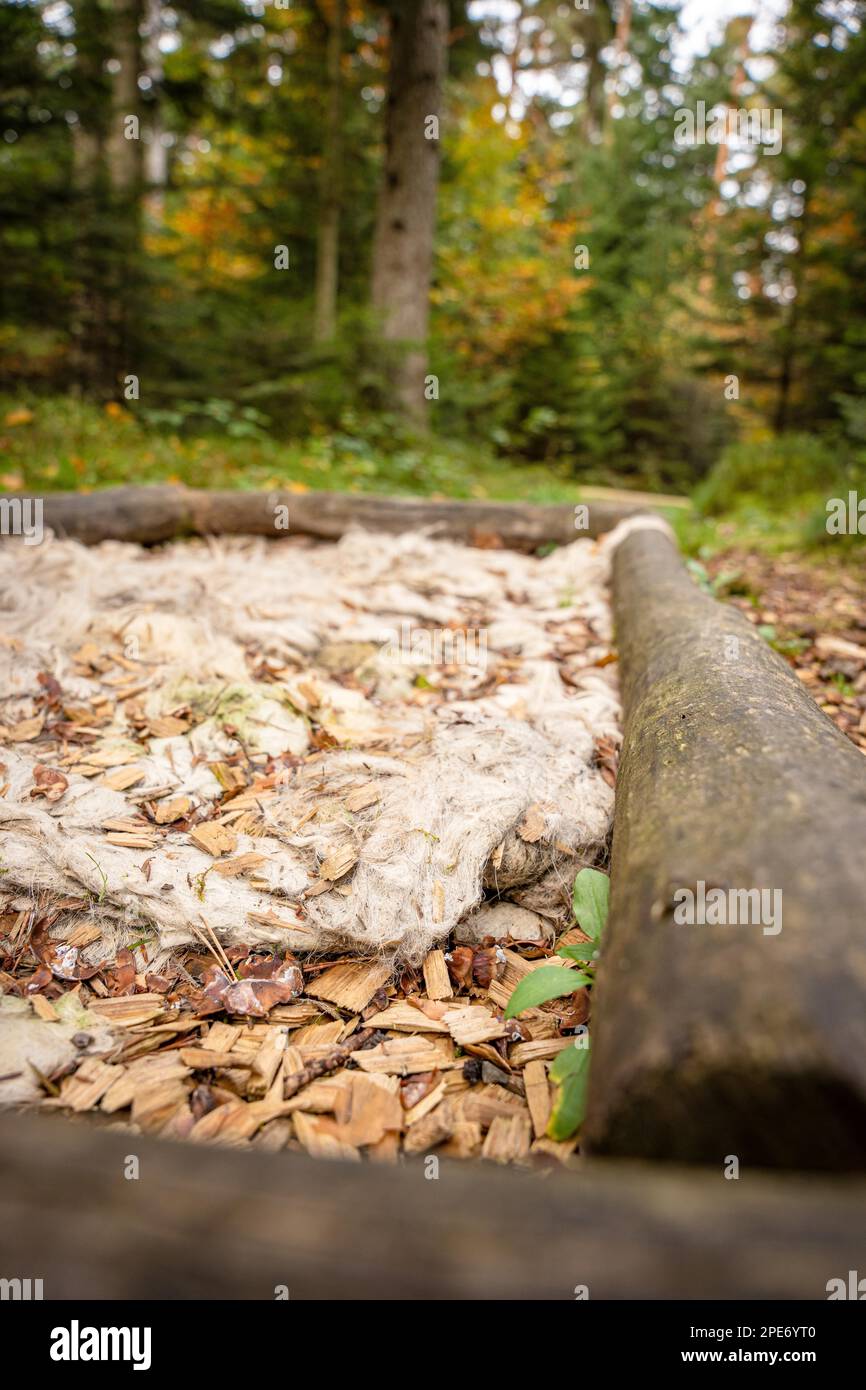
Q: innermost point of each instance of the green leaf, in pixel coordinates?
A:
(584, 950)
(548, 982)
(591, 899)
(571, 1059)
(567, 1115)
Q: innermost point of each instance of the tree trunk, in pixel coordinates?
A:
(107, 175)
(123, 145)
(155, 154)
(405, 225)
(596, 31)
(328, 239)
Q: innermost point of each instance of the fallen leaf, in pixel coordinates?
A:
(48, 782)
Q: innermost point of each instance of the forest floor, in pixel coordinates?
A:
(813, 614)
(61, 444)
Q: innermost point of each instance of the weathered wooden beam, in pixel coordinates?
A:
(161, 512)
(715, 1040)
(209, 1222)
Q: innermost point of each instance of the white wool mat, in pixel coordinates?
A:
(319, 746)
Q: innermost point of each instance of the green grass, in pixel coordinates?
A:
(61, 443)
(70, 445)
(748, 527)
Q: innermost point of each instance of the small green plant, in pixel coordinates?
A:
(103, 876)
(719, 585)
(570, 1070)
(843, 685)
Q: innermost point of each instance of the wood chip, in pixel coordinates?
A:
(316, 1035)
(273, 1136)
(221, 1037)
(507, 1138)
(532, 827)
(267, 1061)
(214, 839)
(473, 1024)
(202, 1058)
(408, 1056)
(561, 1151)
(363, 796)
(425, 1105)
(405, 1018)
(241, 864)
(127, 841)
(338, 864)
(351, 985)
(436, 976)
(127, 1012)
(154, 1103)
(537, 1096)
(465, 1140)
(434, 1129)
(319, 1136)
(86, 1088)
(543, 1050)
(111, 757)
(138, 1074)
(294, 1015)
(44, 1009)
(176, 809)
(167, 726)
(485, 1103)
(123, 778)
(25, 730)
(366, 1112)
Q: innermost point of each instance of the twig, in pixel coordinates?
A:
(321, 1065)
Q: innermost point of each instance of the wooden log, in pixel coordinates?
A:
(715, 1040)
(210, 1222)
(149, 515)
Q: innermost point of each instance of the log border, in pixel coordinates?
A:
(717, 1040)
(209, 1222)
(162, 512)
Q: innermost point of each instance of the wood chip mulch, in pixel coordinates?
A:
(339, 1058)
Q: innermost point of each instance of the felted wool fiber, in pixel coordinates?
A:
(411, 725)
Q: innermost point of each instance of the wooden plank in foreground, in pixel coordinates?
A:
(209, 1222)
(162, 512)
(739, 1039)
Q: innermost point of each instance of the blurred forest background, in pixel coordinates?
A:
(236, 250)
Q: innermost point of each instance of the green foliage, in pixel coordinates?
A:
(591, 902)
(775, 472)
(570, 1071)
(608, 371)
(541, 985)
(71, 444)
